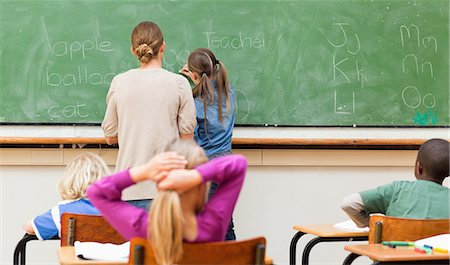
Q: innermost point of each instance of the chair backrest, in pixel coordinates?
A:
(251, 251)
(87, 228)
(386, 228)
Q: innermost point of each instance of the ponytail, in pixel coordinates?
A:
(223, 87)
(204, 62)
(165, 228)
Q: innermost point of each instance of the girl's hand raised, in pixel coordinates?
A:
(180, 180)
(186, 72)
(157, 168)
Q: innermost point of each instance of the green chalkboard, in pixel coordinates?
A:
(299, 63)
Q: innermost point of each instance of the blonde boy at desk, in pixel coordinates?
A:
(424, 198)
(79, 174)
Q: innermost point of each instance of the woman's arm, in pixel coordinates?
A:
(110, 120)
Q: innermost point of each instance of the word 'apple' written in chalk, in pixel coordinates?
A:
(80, 48)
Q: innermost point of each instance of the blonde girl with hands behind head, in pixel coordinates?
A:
(81, 172)
(181, 210)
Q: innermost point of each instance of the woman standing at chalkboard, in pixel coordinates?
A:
(146, 108)
(215, 102)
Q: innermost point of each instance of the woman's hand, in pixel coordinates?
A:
(158, 167)
(180, 180)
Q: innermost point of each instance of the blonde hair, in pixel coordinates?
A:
(165, 219)
(146, 40)
(81, 172)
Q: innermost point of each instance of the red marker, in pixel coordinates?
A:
(420, 250)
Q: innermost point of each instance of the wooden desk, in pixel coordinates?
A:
(324, 233)
(66, 256)
(378, 252)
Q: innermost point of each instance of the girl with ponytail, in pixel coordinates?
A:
(215, 103)
(181, 210)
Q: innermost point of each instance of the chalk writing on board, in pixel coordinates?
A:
(413, 58)
(406, 31)
(81, 76)
(342, 108)
(411, 95)
(345, 104)
(239, 41)
(243, 108)
(413, 98)
(68, 111)
(173, 60)
(80, 48)
(345, 39)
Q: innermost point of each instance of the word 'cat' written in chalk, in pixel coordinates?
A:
(236, 42)
(68, 111)
(82, 76)
(64, 48)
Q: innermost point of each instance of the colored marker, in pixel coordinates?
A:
(424, 249)
(420, 250)
(440, 250)
(398, 243)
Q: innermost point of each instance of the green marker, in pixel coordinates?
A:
(398, 243)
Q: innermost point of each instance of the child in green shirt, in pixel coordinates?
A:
(424, 198)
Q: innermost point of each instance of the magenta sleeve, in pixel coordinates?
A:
(228, 173)
(105, 195)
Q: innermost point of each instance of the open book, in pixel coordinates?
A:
(350, 226)
(439, 241)
(101, 251)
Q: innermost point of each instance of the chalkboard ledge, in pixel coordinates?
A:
(249, 143)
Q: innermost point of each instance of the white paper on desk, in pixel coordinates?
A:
(350, 226)
(101, 251)
(439, 241)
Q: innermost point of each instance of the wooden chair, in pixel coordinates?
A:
(387, 228)
(250, 251)
(87, 228)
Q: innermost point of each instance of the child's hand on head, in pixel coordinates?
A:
(180, 180)
(158, 167)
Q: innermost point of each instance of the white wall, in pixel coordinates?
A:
(283, 188)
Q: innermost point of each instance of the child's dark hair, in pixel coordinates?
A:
(146, 40)
(203, 62)
(434, 157)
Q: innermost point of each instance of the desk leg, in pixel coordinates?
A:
(350, 258)
(317, 240)
(20, 250)
(293, 248)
